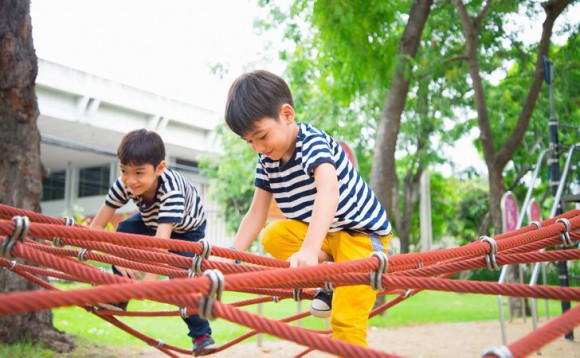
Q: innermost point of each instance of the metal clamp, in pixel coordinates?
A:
(198, 259)
(296, 294)
(22, 223)
(216, 287)
(68, 221)
(537, 224)
(490, 257)
(377, 275)
(81, 254)
(498, 351)
(159, 343)
(276, 299)
(183, 312)
(565, 235)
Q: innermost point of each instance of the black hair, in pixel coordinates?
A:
(141, 147)
(254, 96)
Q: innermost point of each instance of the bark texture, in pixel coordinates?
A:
(383, 177)
(20, 166)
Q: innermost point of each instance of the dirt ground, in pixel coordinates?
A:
(430, 340)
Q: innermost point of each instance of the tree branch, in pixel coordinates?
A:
(483, 13)
(553, 9)
(471, 42)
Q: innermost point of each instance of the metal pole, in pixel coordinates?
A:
(555, 173)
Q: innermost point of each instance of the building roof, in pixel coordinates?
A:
(83, 118)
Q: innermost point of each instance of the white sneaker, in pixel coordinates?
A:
(321, 305)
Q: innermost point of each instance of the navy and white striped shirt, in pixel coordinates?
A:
(177, 201)
(293, 184)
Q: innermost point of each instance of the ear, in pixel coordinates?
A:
(160, 168)
(287, 113)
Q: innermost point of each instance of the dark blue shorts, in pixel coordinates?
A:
(135, 225)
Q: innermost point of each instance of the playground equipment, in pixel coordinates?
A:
(199, 290)
(557, 184)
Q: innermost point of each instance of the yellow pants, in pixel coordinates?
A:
(351, 305)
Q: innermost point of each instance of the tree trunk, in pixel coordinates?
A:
(410, 199)
(20, 166)
(383, 176)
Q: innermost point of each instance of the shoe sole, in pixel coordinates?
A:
(204, 351)
(320, 314)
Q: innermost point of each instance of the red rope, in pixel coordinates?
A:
(147, 254)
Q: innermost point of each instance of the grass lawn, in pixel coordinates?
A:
(425, 307)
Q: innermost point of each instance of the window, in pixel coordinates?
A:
(53, 187)
(186, 165)
(94, 181)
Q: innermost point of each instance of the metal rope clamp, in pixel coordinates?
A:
(377, 275)
(216, 287)
(198, 259)
(22, 223)
(537, 224)
(498, 351)
(183, 312)
(296, 294)
(328, 286)
(490, 257)
(81, 254)
(565, 235)
(68, 221)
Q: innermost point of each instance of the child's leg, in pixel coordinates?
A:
(283, 238)
(132, 225)
(197, 326)
(351, 305)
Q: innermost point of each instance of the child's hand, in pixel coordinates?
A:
(303, 258)
(149, 276)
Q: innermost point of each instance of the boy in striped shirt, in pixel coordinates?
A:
(169, 207)
(331, 213)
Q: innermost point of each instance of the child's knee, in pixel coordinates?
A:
(271, 231)
(125, 227)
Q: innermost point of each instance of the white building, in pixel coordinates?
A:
(82, 120)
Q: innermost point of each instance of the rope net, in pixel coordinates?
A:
(37, 246)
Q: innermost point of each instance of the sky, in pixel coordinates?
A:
(166, 47)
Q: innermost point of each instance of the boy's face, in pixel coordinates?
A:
(275, 137)
(142, 179)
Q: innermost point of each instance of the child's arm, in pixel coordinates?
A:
(99, 222)
(325, 205)
(102, 218)
(254, 220)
